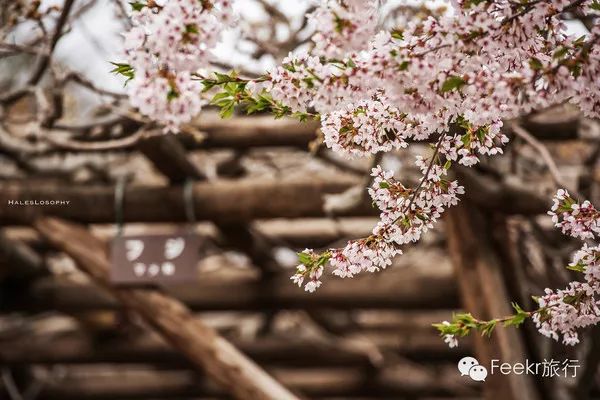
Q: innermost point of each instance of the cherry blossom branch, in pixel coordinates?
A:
(454, 78)
(45, 59)
(463, 324)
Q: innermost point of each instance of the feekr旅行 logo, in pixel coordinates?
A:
(469, 366)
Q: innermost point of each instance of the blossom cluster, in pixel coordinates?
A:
(344, 26)
(405, 215)
(450, 80)
(574, 219)
(427, 83)
(433, 72)
(369, 126)
(563, 312)
(167, 44)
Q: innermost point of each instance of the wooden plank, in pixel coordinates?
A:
(221, 361)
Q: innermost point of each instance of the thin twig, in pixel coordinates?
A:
(426, 175)
(116, 144)
(544, 153)
(45, 60)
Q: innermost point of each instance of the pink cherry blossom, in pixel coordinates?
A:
(169, 41)
(449, 81)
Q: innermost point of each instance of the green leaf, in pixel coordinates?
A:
(466, 319)
(488, 327)
(289, 67)
(123, 69)
(517, 308)
(577, 267)
(384, 185)
(535, 64)
(573, 300)
(172, 94)
(451, 83)
(191, 28)
(137, 5)
(323, 258)
(517, 319)
(445, 329)
(560, 53)
(227, 111)
(466, 140)
(300, 116)
(222, 78)
(219, 97)
(580, 41)
(309, 82)
(398, 34)
(304, 258)
(595, 5)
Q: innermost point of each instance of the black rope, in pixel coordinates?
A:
(119, 199)
(188, 201)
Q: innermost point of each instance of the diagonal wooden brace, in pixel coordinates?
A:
(219, 359)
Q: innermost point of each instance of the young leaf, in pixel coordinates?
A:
(137, 5)
(451, 83)
(535, 64)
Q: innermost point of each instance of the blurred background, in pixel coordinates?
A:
(261, 190)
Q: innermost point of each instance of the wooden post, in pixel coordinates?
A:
(484, 294)
(171, 319)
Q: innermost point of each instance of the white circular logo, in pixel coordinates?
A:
(465, 364)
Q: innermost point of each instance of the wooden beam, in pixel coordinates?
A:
(246, 132)
(407, 333)
(221, 361)
(80, 348)
(241, 132)
(219, 201)
(300, 232)
(396, 381)
(169, 157)
(263, 131)
(417, 285)
(222, 201)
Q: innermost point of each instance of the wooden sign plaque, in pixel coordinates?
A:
(154, 259)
